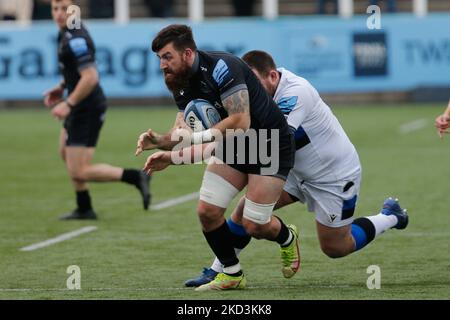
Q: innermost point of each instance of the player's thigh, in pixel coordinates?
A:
(236, 178)
(285, 199)
(220, 185)
(264, 189)
(84, 125)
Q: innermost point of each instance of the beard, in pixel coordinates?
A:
(177, 81)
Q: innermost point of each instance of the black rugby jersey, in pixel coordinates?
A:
(217, 75)
(76, 51)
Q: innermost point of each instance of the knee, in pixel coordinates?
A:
(78, 175)
(208, 214)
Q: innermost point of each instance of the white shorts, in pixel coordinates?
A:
(333, 203)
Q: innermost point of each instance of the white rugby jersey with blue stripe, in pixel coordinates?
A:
(324, 153)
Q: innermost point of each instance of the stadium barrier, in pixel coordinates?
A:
(336, 55)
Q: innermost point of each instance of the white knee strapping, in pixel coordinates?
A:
(216, 190)
(258, 213)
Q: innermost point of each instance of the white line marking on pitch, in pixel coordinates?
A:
(63, 237)
(175, 201)
(413, 126)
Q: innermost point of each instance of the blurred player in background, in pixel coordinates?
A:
(229, 84)
(83, 112)
(443, 122)
(327, 171)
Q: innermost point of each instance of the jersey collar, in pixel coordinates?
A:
(196, 64)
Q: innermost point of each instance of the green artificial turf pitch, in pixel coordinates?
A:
(136, 254)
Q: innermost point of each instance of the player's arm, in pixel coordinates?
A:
(231, 82)
(54, 95)
(442, 122)
(150, 139)
(162, 159)
(87, 83)
(82, 55)
(238, 108)
(300, 101)
(180, 123)
(168, 141)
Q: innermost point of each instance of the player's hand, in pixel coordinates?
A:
(157, 162)
(61, 110)
(442, 123)
(147, 141)
(53, 96)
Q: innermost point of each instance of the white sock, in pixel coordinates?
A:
(217, 266)
(383, 222)
(289, 239)
(232, 269)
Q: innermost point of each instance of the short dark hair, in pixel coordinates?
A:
(261, 61)
(179, 34)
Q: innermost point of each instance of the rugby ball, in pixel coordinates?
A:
(201, 115)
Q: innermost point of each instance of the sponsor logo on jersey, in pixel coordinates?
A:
(79, 46)
(220, 71)
(286, 104)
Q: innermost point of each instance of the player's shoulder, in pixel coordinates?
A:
(78, 40)
(294, 84)
(293, 89)
(223, 67)
(214, 58)
(76, 32)
(217, 55)
(291, 80)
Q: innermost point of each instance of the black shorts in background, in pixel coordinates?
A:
(83, 125)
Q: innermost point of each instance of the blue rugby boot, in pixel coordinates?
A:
(392, 207)
(207, 276)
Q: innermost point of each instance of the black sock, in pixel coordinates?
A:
(84, 201)
(283, 236)
(131, 176)
(240, 242)
(240, 237)
(366, 236)
(221, 242)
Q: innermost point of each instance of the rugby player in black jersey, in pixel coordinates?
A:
(83, 112)
(230, 86)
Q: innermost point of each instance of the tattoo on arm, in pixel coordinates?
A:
(238, 102)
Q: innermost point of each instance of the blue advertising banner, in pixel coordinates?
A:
(336, 55)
